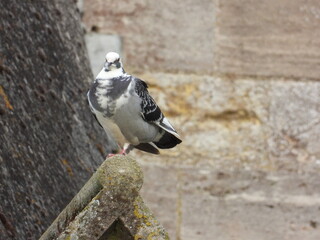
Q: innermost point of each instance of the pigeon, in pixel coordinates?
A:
(124, 108)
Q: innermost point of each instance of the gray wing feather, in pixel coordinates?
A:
(149, 109)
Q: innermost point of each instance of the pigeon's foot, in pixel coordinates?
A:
(122, 152)
(111, 155)
(127, 148)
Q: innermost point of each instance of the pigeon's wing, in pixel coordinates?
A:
(91, 107)
(148, 147)
(150, 111)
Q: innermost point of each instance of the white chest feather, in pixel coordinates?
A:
(111, 128)
(102, 93)
(110, 74)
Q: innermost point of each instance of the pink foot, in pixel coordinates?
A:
(123, 152)
(111, 155)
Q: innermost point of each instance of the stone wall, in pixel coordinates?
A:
(47, 135)
(240, 82)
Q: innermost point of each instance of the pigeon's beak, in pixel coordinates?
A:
(107, 66)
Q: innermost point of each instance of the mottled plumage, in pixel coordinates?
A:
(123, 107)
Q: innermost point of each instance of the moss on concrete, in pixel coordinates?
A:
(108, 207)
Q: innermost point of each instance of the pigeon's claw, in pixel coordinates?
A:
(122, 152)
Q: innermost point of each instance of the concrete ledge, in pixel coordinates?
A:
(108, 205)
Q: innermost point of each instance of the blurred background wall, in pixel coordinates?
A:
(239, 80)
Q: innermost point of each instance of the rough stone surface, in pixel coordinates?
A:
(49, 141)
(269, 38)
(109, 192)
(236, 204)
(249, 205)
(261, 125)
(266, 122)
(249, 115)
(108, 207)
(249, 164)
(294, 120)
(142, 224)
(160, 190)
(149, 31)
(249, 158)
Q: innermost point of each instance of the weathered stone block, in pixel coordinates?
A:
(166, 35)
(294, 123)
(269, 128)
(48, 141)
(248, 164)
(108, 207)
(268, 38)
(226, 205)
(239, 123)
(161, 193)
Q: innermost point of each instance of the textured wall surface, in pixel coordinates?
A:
(47, 134)
(249, 164)
(240, 82)
(271, 38)
(148, 26)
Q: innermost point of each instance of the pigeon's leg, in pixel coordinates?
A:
(127, 148)
(115, 153)
(123, 152)
(111, 154)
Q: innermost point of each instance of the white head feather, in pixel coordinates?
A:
(112, 57)
(112, 71)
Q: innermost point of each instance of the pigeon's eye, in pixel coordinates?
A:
(117, 60)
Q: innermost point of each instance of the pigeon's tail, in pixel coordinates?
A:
(168, 140)
(147, 147)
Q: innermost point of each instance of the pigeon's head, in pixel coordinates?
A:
(113, 62)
